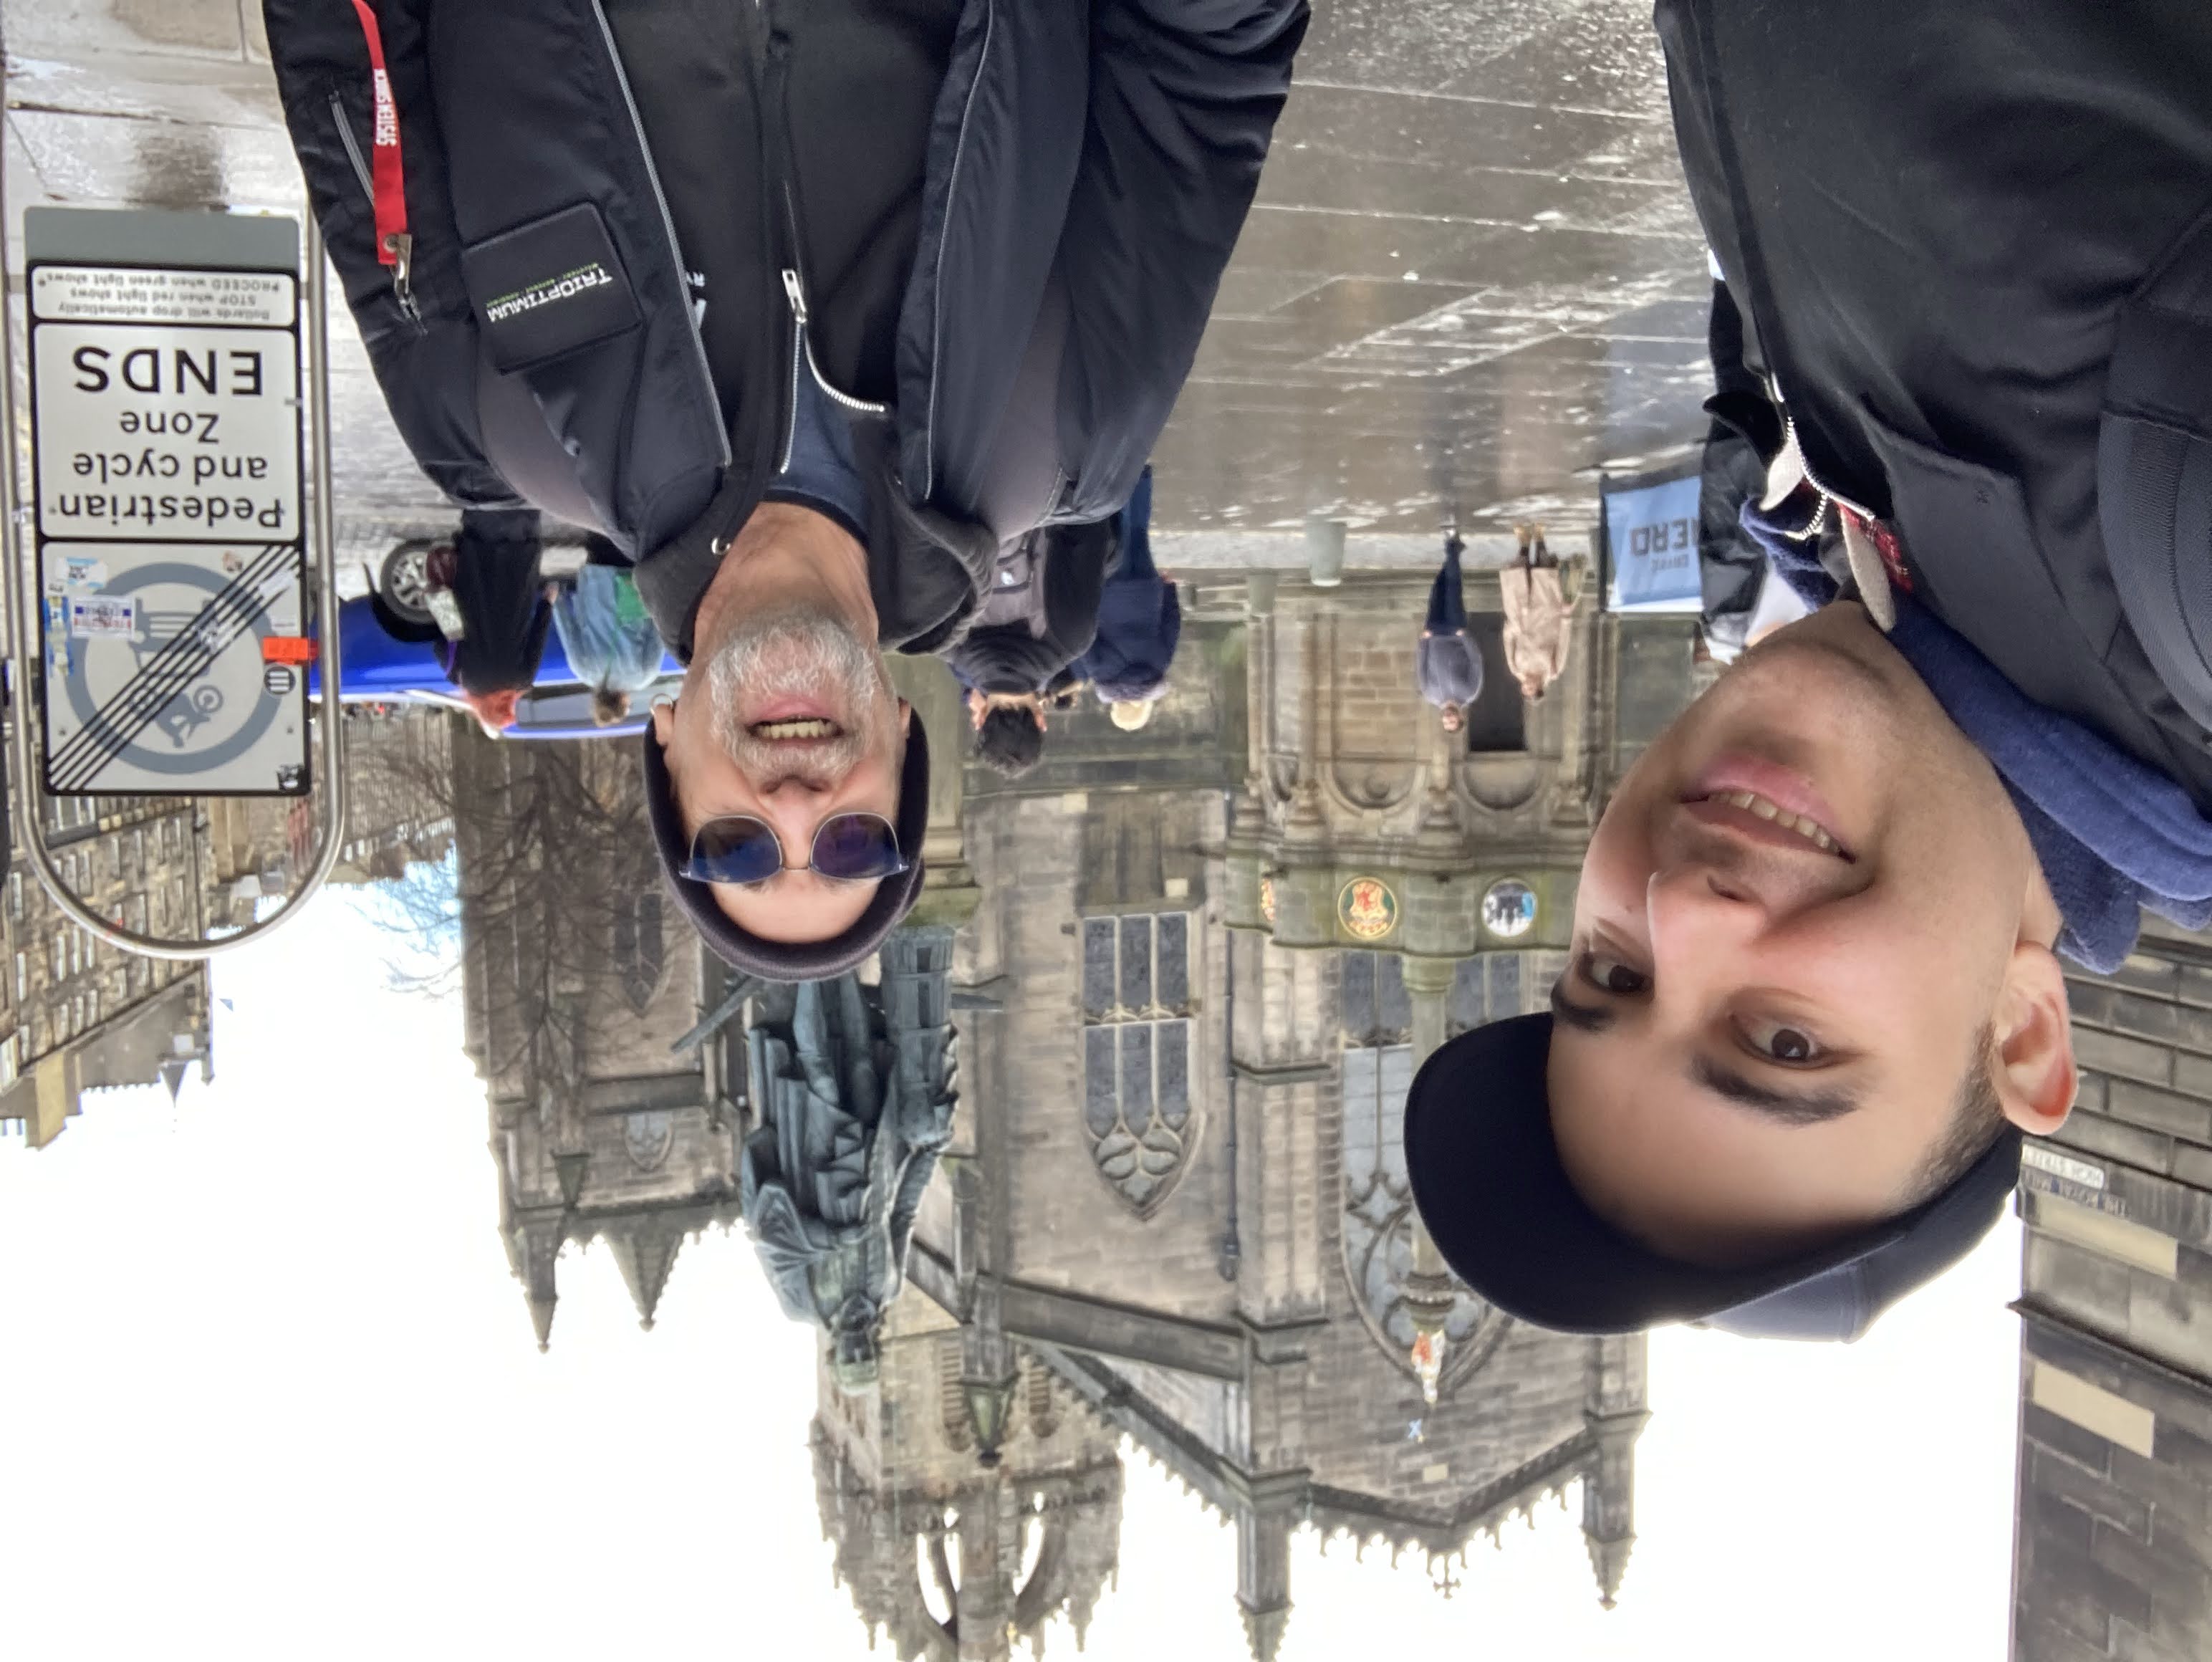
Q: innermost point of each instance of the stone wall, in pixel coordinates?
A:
(2113, 1546)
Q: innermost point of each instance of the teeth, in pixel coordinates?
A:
(1755, 803)
(810, 727)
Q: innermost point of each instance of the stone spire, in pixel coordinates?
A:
(538, 1257)
(1264, 1631)
(1615, 1413)
(1609, 1500)
(541, 1320)
(1263, 1569)
(645, 1255)
(1609, 1563)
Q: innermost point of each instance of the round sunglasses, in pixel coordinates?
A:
(849, 848)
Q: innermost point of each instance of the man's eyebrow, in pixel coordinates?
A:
(1788, 1107)
(1582, 1018)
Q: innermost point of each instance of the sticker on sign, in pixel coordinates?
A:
(162, 687)
(173, 433)
(124, 293)
(93, 615)
(81, 574)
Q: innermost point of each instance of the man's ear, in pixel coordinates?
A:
(663, 721)
(2035, 1075)
(906, 718)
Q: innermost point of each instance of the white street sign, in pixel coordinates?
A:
(131, 294)
(165, 426)
(180, 434)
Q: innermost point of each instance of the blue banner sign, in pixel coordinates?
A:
(1651, 531)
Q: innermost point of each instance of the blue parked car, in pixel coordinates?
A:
(379, 669)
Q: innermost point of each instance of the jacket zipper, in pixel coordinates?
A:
(667, 223)
(402, 285)
(352, 150)
(798, 365)
(796, 293)
(777, 119)
(1829, 499)
(1818, 523)
(802, 363)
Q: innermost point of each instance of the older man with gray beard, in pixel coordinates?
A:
(789, 793)
(808, 309)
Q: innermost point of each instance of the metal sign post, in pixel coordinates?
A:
(167, 647)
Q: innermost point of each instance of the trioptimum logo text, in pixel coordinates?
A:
(550, 292)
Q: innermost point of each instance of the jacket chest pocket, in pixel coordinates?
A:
(547, 289)
(1975, 557)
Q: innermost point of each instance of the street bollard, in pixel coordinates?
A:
(1324, 551)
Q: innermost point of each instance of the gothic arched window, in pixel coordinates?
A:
(1136, 1052)
(1394, 1292)
(639, 953)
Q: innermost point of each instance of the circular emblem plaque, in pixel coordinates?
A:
(1367, 909)
(1268, 900)
(1509, 909)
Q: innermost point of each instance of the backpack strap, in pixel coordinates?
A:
(2155, 468)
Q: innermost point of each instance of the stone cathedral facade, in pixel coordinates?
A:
(1194, 970)
(1201, 965)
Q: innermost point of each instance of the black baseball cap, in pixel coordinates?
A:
(784, 960)
(1488, 1184)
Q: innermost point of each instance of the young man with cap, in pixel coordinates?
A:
(809, 308)
(1815, 1000)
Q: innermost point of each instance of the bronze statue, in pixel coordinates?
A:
(852, 1093)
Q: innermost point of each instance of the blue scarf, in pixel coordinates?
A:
(2114, 837)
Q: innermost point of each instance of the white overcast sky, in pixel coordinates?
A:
(272, 1392)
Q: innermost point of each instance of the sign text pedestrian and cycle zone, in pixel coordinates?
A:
(172, 570)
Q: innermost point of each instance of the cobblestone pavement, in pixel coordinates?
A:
(1472, 277)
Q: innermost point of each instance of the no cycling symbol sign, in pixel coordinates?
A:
(166, 422)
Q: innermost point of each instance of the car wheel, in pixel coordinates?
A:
(404, 585)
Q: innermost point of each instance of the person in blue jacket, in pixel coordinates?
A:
(606, 632)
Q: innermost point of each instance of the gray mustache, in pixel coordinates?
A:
(797, 652)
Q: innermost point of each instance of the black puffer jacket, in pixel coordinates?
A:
(1008, 220)
(1029, 655)
(1944, 225)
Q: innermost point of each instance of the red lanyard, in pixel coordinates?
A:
(394, 246)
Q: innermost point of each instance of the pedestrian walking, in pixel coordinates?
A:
(1139, 622)
(1535, 635)
(490, 571)
(1447, 663)
(606, 633)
